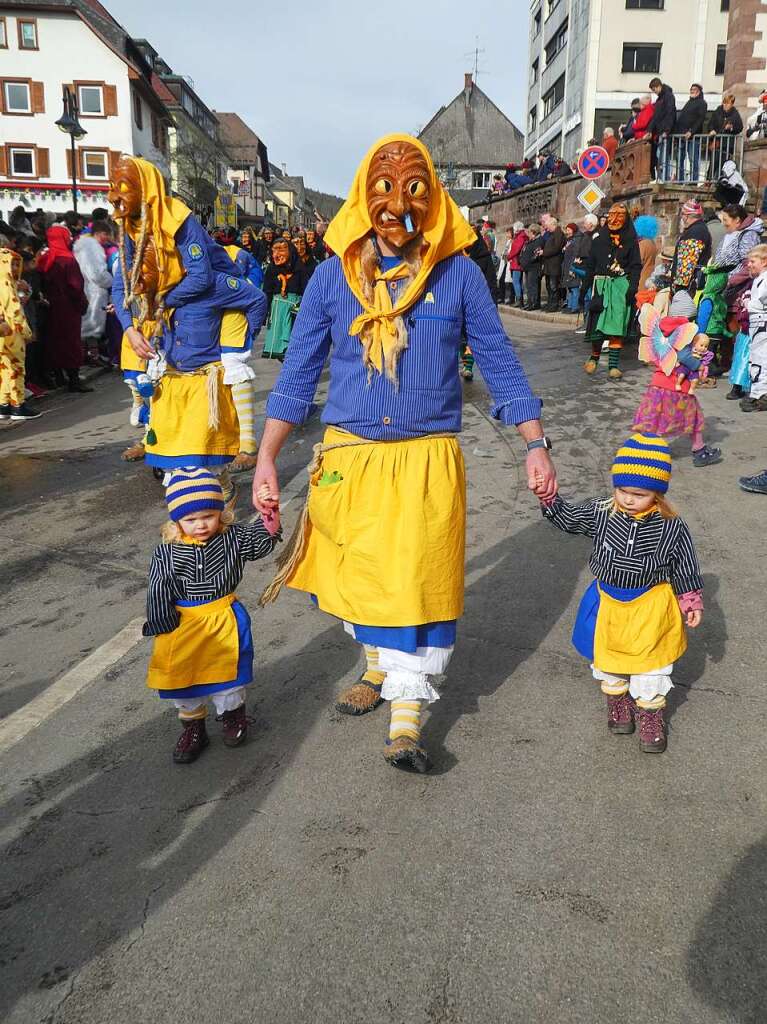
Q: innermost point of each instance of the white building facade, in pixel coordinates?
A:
(589, 58)
(41, 52)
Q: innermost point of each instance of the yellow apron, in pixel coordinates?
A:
(180, 416)
(128, 358)
(385, 543)
(640, 636)
(204, 649)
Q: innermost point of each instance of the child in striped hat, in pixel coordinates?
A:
(647, 587)
(203, 645)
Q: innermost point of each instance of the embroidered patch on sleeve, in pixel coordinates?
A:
(233, 283)
(195, 251)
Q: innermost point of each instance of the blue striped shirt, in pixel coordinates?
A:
(429, 398)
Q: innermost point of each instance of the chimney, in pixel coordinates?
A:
(468, 81)
(284, 170)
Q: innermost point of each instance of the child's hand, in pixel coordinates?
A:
(693, 618)
(271, 520)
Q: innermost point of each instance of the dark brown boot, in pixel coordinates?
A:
(652, 731)
(620, 715)
(407, 755)
(235, 726)
(192, 741)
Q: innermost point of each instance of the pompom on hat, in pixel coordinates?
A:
(193, 490)
(643, 461)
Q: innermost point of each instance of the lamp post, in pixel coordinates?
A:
(69, 124)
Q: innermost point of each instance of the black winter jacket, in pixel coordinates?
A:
(691, 117)
(721, 118)
(664, 112)
(552, 252)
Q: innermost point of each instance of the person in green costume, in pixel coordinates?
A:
(612, 273)
(285, 280)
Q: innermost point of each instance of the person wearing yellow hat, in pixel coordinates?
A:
(380, 543)
(647, 587)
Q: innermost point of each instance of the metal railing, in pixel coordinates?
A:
(696, 160)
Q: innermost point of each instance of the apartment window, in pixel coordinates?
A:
(95, 164)
(90, 99)
(557, 43)
(534, 72)
(550, 6)
(641, 57)
(22, 162)
(27, 33)
(138, 113)
(533, 120)
(3, 34)
(725, 5)
(537, 24)
(480, 179)
(644, 5)
(721, 57)
(554, 96)
(17, 98)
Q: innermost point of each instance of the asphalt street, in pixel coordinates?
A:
(545, 871)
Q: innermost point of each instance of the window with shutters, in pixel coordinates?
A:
(138, 113)
(3, 34)
(17, 97)
(27, 33)
(21, 162)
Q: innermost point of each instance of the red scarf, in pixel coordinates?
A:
(59, 247)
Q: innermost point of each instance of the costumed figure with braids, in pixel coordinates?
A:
(678, 351)
(285, 281)
(193, 420)
(203, 647)
(380, 542)
(647, 588)
(613, 267)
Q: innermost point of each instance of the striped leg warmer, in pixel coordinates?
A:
(373, 674)
(405, 720)
(244, 398)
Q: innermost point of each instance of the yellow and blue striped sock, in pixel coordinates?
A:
(244, 398)
(405, 720)
(372, 674)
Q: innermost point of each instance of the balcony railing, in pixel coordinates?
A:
(695, 160)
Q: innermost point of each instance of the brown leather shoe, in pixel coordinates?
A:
(359, 699)
(407, 755)
(135, 453)
(235, 726)
(192, 741)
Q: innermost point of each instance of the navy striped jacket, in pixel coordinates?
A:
(429, 398)
(629, 552)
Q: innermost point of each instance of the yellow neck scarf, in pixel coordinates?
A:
(383, 347)
(444, 232)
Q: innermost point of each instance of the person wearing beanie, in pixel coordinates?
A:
(678, 350)
(693, 249)
(203, 646)
(648, 585)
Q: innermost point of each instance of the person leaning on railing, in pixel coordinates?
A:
(726, 125)
(689, 125)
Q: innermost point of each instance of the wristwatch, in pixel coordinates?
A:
(540, 442)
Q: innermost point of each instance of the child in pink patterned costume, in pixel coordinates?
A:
(679, 352)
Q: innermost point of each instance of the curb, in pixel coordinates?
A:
(548, 318)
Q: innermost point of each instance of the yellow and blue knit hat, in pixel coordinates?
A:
(643, 461)
(193, 490)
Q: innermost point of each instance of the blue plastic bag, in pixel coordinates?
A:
(739, 372)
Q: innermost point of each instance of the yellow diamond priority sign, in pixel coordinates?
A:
(591, 197)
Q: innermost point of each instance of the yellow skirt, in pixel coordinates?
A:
(204, 650)
(129, 360)
(179, 422)
(636, 637)
(386, 537)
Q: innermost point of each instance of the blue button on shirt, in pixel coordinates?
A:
(429, 397)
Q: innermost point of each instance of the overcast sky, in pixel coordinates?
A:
(319, 80)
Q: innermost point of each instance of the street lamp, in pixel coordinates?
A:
(69, 124)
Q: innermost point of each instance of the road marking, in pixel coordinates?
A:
(17, 725)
